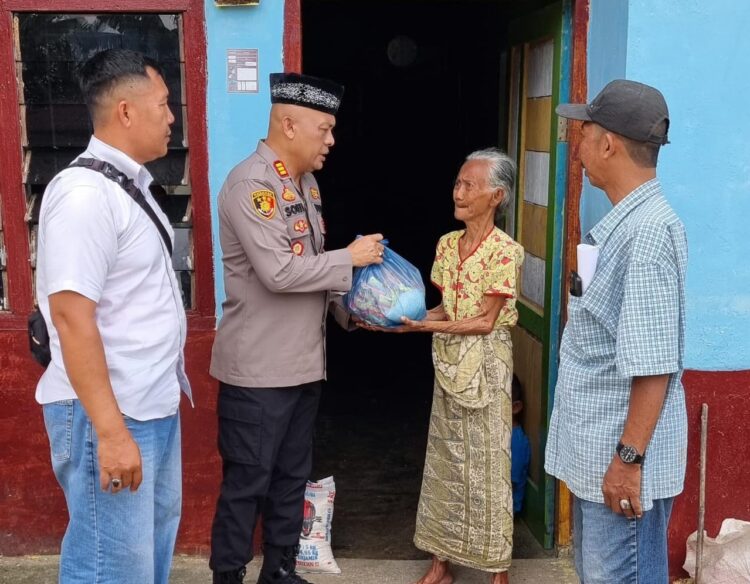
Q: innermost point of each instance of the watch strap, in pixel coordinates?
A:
(638, 459)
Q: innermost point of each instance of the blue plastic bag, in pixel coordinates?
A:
(382, 293)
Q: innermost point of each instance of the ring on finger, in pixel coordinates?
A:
(116, 483)
(624, 504)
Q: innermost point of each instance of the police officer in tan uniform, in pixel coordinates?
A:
(269, 352)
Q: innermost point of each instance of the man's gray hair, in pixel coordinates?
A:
(502, 174)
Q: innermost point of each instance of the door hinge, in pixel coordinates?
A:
(562, 129)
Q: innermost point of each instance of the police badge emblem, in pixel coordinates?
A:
(298, 248)
(314, 193)
(288, 194)
(264, 203)
(300, 226)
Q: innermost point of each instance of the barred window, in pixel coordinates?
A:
(55, 124)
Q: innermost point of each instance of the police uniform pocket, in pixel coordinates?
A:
(58, 420)
(239, 429)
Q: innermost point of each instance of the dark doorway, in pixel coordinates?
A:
(425, 85)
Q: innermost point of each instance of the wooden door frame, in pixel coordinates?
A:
(12, 197)
(572, 225)
(293, 36)
(578, 94)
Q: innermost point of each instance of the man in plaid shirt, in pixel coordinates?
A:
(618, 433)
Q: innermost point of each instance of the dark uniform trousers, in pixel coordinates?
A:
(265, 442)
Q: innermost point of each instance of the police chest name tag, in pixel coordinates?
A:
(264, 203)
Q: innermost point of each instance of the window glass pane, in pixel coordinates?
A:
(170, 170)
(44, 163)
(55, 121)
(57, 126)
(182, 257)
(186, 280)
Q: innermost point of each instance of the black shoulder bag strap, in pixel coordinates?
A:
(113, 174)
(37, 328)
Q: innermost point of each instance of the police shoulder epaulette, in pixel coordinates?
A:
(280, 169)
(257, 170)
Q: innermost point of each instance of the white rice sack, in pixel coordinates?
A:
(315, 553)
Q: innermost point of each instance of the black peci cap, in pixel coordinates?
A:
(628, 108)
(306, 91)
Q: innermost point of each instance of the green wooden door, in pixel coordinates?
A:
(536, 84)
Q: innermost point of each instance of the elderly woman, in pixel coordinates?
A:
(465, 513)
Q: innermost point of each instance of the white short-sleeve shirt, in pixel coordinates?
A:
(95, 240)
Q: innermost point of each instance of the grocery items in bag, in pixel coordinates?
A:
(383, 293)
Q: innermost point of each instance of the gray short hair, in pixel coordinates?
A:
(502, 173)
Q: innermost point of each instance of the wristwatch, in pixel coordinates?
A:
(629, 454)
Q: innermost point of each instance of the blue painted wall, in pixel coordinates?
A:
(696, 53)
(608, 38)
(236, 121)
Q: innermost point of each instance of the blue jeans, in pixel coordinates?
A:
(612, 549)
(124, 538)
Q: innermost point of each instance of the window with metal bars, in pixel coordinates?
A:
(55, 125)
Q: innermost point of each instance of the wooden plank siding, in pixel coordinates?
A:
(535, 227)
(538, 115)
(527, 365)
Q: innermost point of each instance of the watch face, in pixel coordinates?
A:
(628, 454)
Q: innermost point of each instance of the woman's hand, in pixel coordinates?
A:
(413, 326)
(409, 326)
(379, 329)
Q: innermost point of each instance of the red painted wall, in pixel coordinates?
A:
(32, 508)
(33, 513)
(727, 470)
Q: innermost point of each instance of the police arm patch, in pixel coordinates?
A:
(264, 203)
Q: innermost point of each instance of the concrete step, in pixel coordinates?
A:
(194, 570)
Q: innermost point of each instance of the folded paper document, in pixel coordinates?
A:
(588, 255)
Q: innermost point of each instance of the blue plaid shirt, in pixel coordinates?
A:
(630, 322)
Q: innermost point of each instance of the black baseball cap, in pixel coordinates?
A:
(631, 109)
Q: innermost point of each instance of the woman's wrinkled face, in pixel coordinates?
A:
(473, 197)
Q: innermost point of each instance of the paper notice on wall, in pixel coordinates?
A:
(588, 256)
(242, 70)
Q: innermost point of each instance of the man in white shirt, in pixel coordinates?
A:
(117, 327)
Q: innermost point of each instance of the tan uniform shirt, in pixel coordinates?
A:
(277, 277)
